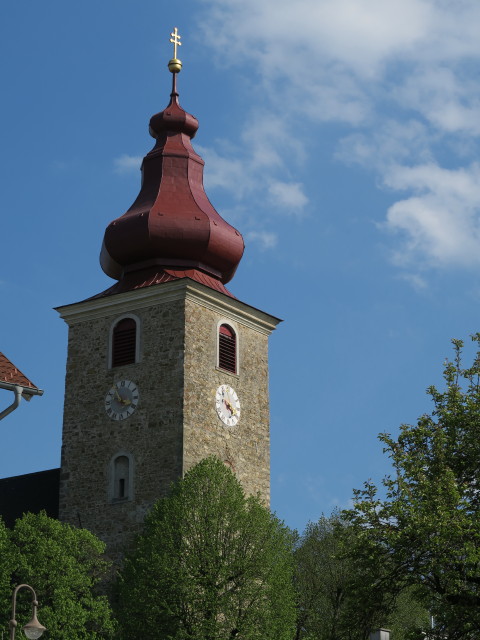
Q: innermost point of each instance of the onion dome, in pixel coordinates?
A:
(171, 230)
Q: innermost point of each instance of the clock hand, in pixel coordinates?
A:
(123, 401)
(230, 407)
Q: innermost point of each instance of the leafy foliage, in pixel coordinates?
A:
(339, 598)
(427, 528)
(212, 564)
(7, 566)
(408, 616)
(64, 565)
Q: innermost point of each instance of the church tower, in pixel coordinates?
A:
(166, 367)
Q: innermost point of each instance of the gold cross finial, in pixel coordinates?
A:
(176, 37)
(175, 64)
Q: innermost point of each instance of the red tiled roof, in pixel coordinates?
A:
(9, 373)
(147, 278)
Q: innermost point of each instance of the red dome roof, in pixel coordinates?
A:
(172, 225)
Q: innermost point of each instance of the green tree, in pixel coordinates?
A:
(7, 566)
(65, 566)
(408, 616)
(427, 527)
(339, 598)
(212, 564)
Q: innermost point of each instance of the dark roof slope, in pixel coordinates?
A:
(32, 492)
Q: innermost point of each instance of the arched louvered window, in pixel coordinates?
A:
(124, 342)
(121, 478)
(227, 348)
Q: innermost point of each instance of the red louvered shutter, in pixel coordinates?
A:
(227, 349)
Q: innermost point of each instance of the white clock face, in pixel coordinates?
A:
(121, 400)
(227, 405)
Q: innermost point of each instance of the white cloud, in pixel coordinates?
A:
(288, 195)
(444, 96)
(416, 280)
(266, 150)
(440, 222)
(265, 239)
(361, 35)
(392, 142)
(225, 171)
(268, 139)
(401, 76)
(127, 164)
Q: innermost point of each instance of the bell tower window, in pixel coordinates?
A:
(124, 342)
(121, 478)
(227, 348)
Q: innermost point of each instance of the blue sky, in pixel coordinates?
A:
(340, 136)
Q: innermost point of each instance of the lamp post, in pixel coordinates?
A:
(32, 629)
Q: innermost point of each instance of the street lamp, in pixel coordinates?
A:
(32, 629)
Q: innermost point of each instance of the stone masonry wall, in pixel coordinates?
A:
(245, 447)
(152, 435)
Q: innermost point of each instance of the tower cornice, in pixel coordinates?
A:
(184, 288)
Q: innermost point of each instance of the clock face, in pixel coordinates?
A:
(227, 405)
(121, 400)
